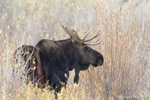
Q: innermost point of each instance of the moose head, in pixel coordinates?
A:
(83, 54)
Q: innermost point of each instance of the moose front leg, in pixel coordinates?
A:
(77, 70)
(76, 77)
(56, 84)
(63, 76)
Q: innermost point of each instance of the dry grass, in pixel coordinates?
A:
(126, 70)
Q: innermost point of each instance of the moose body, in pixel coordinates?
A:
(54, 59)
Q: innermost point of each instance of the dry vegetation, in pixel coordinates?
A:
(125, 46)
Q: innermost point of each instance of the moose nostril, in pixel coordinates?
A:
(100, 60)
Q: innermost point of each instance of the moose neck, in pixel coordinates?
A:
(71, 52)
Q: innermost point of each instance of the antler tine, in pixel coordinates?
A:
(73, 34)
(87, 34)
(76, 29)
(95, 42)
(93, 37)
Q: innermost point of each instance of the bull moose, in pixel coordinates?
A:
(54, 59)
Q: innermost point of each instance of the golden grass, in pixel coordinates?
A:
(125, 46)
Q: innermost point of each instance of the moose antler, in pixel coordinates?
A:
(73, 34)
(95, 42)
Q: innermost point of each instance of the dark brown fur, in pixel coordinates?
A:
(54, 59)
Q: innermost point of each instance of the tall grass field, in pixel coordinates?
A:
(124, 24)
